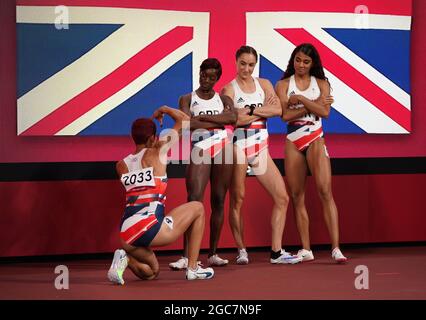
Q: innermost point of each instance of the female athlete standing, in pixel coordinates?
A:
(255, 100)
(304, 92)
(210, 111)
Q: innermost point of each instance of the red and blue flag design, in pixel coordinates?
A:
(119, 60)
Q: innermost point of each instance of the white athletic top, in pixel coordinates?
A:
(312, 93)
(243, 99)
(304, 130)
(251, 138)
(214, 143)
(141, 180)
(200, 106)
(134, 162)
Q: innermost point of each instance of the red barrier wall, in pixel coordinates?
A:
(66, 217)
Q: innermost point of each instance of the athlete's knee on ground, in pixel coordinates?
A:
(142, 270)
(155, 272)
(153, 275)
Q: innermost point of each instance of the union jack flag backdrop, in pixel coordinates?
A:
(119, 60)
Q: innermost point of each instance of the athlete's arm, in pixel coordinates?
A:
(195, 122)
(168, 139)
(121, 168)
(228, 116)
(244, 118)
(242, 114)
(287, 114)
(184, 102)
(177, 115)
(227, 90)
(271, 106)
(320, 107)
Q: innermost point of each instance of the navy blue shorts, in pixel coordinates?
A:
(140, 224)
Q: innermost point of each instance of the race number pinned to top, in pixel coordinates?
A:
(138, 178)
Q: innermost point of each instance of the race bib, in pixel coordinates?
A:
(139, 178)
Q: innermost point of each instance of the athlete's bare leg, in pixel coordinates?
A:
(296, 170)
(189, 216)
(142, 261)
(220, 178)
(270, 178)
(197, 177)
(236, 197)
(319, 164)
